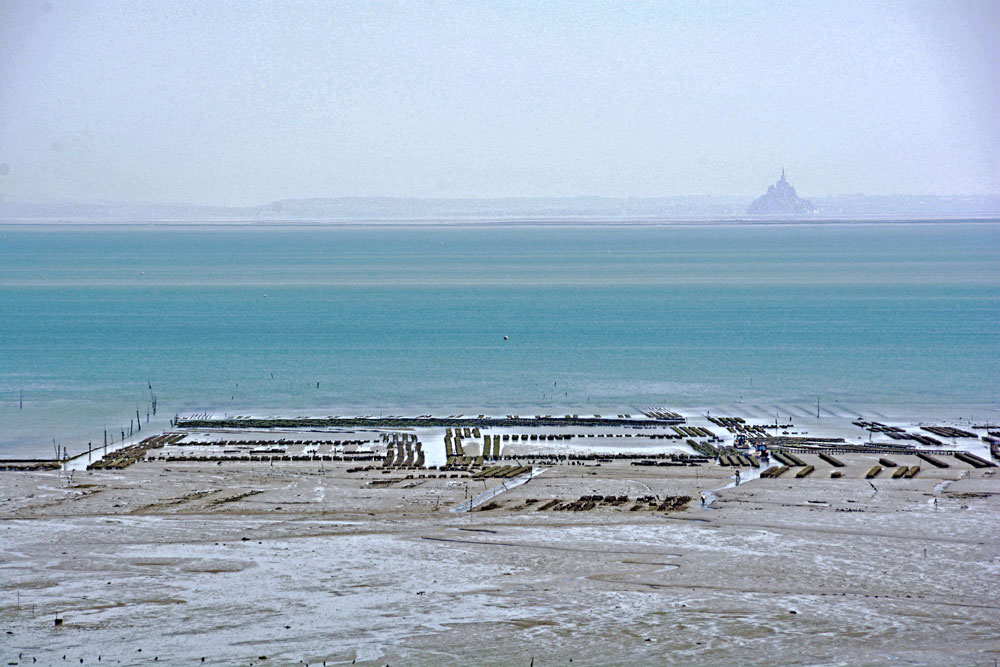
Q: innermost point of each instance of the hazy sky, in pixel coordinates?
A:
(246, 102)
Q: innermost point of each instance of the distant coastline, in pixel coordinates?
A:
(563, 210)
(570, 222)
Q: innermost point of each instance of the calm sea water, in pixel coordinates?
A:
(872, 318)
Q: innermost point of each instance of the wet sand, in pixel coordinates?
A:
(172, 561)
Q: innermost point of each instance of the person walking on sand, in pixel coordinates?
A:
(737, 477)
(702, 494)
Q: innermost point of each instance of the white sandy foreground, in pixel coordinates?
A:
(168, 562)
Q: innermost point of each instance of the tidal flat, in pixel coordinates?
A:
(608, 555)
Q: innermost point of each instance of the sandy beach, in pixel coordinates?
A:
(290, 562)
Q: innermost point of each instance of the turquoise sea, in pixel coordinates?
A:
(872, 318)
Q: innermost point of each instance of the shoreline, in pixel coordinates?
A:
(574, 434)
(834, 420)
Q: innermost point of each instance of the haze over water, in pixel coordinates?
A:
(875, 319)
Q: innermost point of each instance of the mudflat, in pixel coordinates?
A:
(294, 562)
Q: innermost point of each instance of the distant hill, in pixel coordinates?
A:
(363, 209)
(377, 208)
(780, 201)
(912, 205)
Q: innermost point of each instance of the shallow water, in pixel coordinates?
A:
(343, 320)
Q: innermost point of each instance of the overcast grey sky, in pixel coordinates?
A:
(246, 102)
